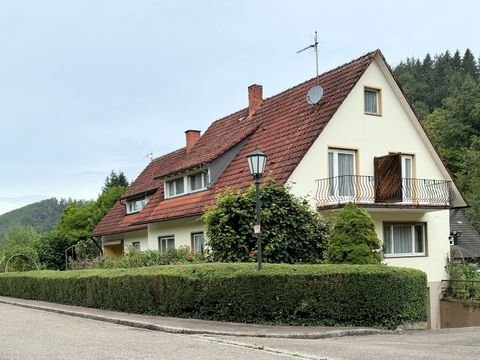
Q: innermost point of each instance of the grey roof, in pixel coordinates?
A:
(469, 241)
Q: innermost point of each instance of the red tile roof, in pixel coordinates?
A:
(283, 127)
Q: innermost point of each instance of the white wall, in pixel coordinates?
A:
(128, 238)
(438, 248)
(182, 229)
(370, 135)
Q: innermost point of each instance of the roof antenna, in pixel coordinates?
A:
(315, 93)
(315, 48)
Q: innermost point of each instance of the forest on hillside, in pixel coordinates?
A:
(42, 216)
(445, 92)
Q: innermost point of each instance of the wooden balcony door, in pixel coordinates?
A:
(388, 178)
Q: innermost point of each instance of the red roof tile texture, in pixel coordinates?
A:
(283, 127)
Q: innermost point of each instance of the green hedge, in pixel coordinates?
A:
(359, 295)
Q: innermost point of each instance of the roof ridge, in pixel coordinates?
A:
(371, 54)
(168, 154)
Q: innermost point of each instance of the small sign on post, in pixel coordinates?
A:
(257, 229)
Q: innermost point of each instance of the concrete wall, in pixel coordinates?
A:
(457, 314)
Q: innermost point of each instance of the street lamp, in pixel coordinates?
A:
(256, 163)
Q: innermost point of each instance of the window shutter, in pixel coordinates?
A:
(388, 178)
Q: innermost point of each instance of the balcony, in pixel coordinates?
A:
(371, 191)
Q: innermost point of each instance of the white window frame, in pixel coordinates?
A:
(407, 182)
(392, 245)
(205, 181)
(166, 238)
(193, 248)
(335, 174)
(378, 94)
(187, 184)
(136, 245)
(131, 206)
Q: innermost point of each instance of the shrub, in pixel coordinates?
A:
(353, 239)
(368, 295)
(135, 258)
(291, 231)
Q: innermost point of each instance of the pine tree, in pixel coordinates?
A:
(469, 65)
(353, 239)
(115, 180)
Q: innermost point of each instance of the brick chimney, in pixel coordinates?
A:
(192, 137)
(255, 98)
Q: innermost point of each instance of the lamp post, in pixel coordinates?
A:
(256, 163)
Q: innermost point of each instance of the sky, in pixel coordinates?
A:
(91, 86)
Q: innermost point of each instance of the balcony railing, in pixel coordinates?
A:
(387, 191)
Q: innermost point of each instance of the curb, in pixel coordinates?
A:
(184, 330)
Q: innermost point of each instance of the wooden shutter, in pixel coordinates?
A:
(388, 178)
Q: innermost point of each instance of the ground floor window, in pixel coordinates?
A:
(198, 243)
(406, 239)
(136, 245)
(166, 243)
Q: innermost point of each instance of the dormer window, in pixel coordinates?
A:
(189, 183)
(176, 187)
(136, 205)
(198, 181)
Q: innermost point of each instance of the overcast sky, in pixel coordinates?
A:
(91, 86)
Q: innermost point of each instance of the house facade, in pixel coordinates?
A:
(360, 143)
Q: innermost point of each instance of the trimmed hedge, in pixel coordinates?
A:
(365, 295)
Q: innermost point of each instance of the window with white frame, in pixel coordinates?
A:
(137, 204)
(198, 243)
(341, 171)
(166, 243)
(176, 187)
(407, 239)
(189, 183)
(372, 101)
(136, 245)
(198, 181)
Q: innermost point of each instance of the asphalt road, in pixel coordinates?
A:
(33, 334)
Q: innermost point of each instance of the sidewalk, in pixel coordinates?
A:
(193, 326)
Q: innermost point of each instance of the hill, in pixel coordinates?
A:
(445, 91)
(42, 216)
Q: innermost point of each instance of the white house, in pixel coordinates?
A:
(360, 143)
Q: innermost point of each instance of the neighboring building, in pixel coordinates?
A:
(361, 143)
(467, 239)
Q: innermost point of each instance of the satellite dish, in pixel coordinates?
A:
(315, 94)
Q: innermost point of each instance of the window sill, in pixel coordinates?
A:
(184, 194)
(401, 256)
(373, 114)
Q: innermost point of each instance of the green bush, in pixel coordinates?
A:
(364, 295)
(135, 258)
(353, 239)
(291, 231)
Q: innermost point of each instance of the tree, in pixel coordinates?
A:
(76, 225)
(115, 180)
(353, 239)
(469, 65)
(291, 231)
(51, 250)
(19, 248)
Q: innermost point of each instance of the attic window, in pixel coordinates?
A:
(372, 101)
(189, 183)
(136, 205)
